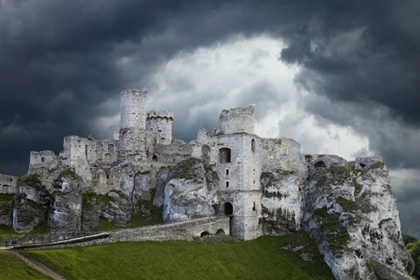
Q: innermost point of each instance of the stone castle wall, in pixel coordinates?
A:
(8, 184)
(160, 125)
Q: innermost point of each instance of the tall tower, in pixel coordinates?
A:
(133, 108)
(160, 124)
(132, 135)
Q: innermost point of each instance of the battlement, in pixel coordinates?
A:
(160, 124)
(160, 115)
(236, 120)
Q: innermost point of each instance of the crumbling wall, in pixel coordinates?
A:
(236, 120)
(173, 153)
(8, 183)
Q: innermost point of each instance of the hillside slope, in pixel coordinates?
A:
(264, 258)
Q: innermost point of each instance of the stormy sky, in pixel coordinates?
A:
(340, 77)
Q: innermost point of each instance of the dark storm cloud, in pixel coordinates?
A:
(406, 187)
(60, 59)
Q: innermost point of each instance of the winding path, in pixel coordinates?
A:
(36, 265)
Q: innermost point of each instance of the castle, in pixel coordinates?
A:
(244, 162)
(260, 186)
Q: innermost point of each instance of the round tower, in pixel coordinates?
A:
(132, 134)
(160, 124)
(133, 108)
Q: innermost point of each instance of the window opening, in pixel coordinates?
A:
(224, 155)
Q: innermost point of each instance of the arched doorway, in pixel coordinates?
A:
(155, 158)
(204, 233)
(228, 208)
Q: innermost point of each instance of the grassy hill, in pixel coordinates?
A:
(264, 258)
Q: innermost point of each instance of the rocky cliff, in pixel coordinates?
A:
(191, 191)
(351, 212)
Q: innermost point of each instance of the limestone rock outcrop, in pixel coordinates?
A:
(66, 204)
(190, 191)
(282, 200)
(31, 204)
(351, 212)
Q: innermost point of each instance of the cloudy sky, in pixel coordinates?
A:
(340, 77)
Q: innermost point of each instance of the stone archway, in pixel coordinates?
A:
(228, 209)
(204, 233)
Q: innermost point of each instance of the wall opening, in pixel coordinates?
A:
(224, 155)
(227, 184)
(284, 151)
(107, 158)
(86, 151)
(155, 158)
(227, 172)
(228, 209)
(205, 154)
(42, 159)
(204, 233)
(220, 232)
(362, 165)
(308, 158)
(320, 164)
(111, 148)
(253, 145)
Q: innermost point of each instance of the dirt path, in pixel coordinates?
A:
(37, 265)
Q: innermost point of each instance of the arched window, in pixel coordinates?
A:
(253, 145)
(111, 148)
(155, 158)
(224, 155)
(107, 158)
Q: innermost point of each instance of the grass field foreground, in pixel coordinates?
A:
(264, 258)
(13, 268)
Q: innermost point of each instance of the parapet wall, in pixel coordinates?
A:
(236, 120)
(186, 230)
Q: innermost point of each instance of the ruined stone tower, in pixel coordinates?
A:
(132, 136)
(160, 124)
(239, 165)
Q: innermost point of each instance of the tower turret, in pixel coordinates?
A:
(133, 108)
(132, 135)
(160, 124)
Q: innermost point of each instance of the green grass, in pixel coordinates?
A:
(12, 267)
(263, 258)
